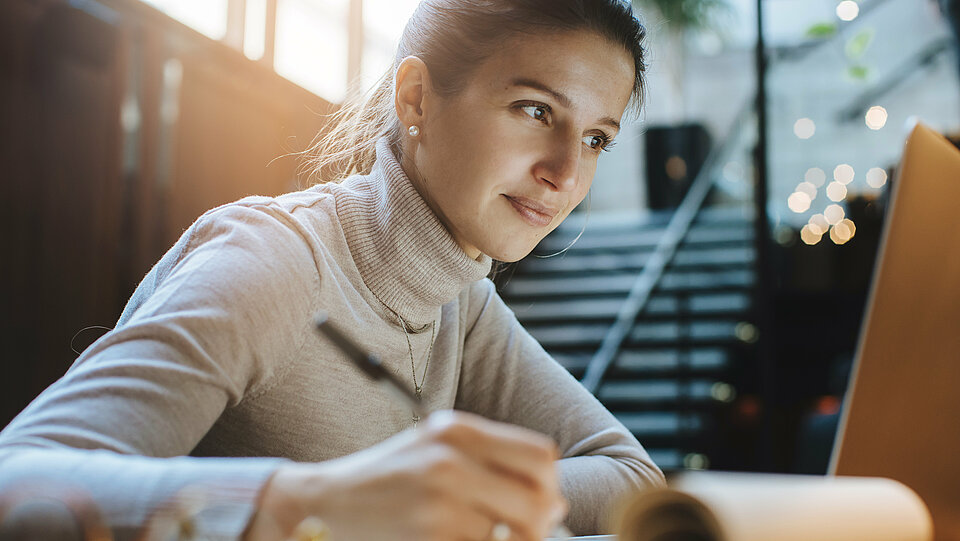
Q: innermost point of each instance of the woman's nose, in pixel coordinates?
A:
(560, 165)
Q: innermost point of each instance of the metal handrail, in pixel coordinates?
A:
(666, 248)
(919, 60)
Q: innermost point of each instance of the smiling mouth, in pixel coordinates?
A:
(532, 212)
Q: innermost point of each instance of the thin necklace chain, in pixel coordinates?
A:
(417, 387)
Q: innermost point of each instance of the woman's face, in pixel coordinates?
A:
(505, 160)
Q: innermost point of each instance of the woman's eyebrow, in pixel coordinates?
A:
(559, 96)
(537, 85)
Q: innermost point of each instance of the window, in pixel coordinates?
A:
(311, 42)
(383, 22)
(311, 45)
(209, 17)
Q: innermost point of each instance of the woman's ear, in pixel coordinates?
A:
(412, 86)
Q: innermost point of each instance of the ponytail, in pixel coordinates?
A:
(349, 146)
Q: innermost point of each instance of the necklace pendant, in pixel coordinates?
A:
(416, 419)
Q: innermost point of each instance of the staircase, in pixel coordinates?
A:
(676, 371)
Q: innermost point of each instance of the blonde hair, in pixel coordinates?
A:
(348, 147)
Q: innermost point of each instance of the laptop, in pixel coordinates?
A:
(901, 416)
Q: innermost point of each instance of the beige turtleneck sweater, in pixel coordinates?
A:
(214, 356)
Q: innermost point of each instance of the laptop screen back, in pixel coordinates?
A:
(901, 416)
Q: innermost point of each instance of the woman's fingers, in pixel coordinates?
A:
(514, 450)
(455, 478)
(502, 498)
(508, 471)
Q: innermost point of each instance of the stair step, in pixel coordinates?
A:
(600, 224)
(736, 256)
(620, 283)
(645, 393)
(666, 459)
(659, 423)
(699, 305)
(643, 333)
(639, 363)
(628, 240)
(668, 360)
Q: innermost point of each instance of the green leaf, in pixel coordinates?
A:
(858, 44)
(858, 72)
(822, 30)
(681, 15)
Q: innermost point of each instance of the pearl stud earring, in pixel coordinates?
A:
(413, 131)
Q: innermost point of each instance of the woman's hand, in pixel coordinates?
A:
(452, 479)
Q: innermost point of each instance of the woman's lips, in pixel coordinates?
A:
(534, 213)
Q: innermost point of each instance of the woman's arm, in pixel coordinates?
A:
(508, 377)
(214, 321)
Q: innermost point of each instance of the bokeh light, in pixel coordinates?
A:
(799, 202)
(876, 177)
(844, 173)
(746, 332)
(809, 235)
(676, 168)
(851, 227)
(842, 232)
(818, 223)
(815, 176)
(807, 188)
(723, 392)
(696, 461)
(804, 128)
(834, 213)
(876, 117)
(836, 191)
(848, 10)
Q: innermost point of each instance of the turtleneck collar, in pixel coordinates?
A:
(406, 256)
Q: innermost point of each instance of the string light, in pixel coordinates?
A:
(848, 10)
(833, 214)
(848, 223)
(836, 191)
(876, 177)
(842, 232)
(818, 224)
(807, 188)
(815, 176)
(844, 173)
(799, 202)
(810, 235)
(876, 117)
(804, 128)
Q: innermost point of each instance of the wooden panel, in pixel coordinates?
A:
(64, 127)
(230, 135)
(93, 203)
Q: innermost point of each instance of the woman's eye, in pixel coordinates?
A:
(537, 112)
(594, 141)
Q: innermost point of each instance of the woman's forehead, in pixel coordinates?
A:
(582, 67)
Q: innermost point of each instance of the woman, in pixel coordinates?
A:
(479, 142)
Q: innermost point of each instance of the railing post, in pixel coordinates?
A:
(763, 301)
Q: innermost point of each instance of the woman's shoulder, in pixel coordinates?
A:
(301, 205)
(306, 216)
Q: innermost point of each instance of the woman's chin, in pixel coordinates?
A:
(509, 253)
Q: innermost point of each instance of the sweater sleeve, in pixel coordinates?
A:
(508, 377)
(208, 326)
